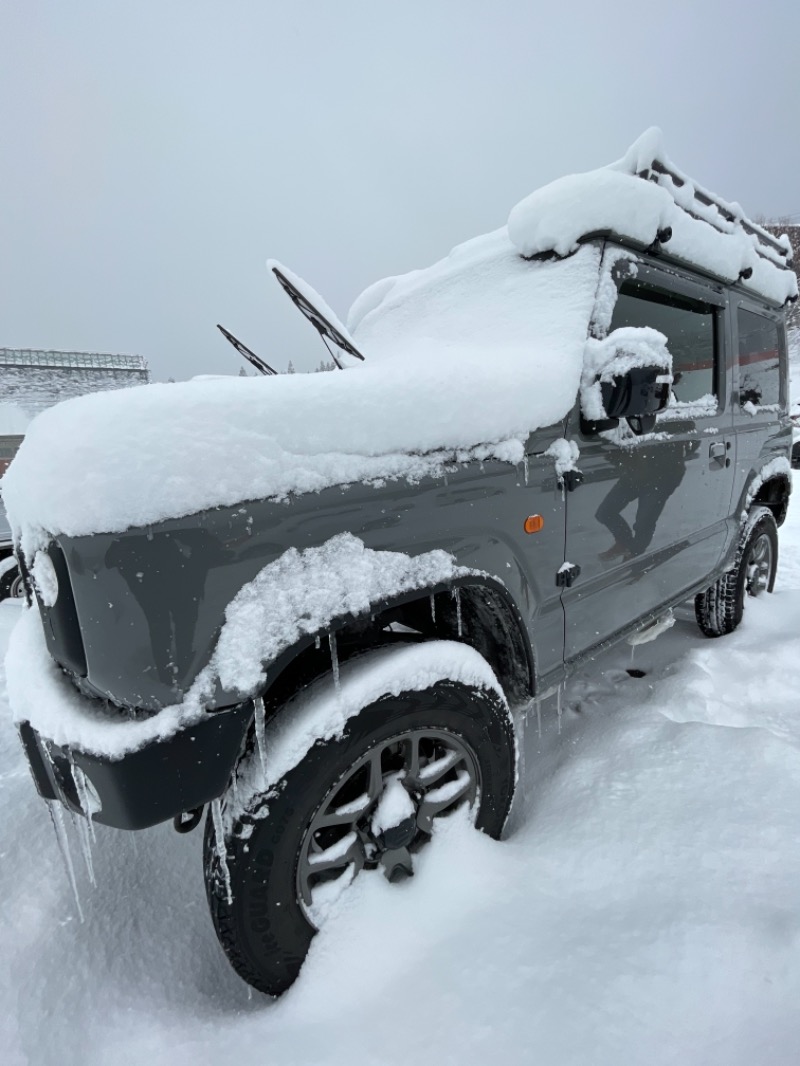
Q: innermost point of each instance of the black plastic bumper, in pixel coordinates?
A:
(147, 786)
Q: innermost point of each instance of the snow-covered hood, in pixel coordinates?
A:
(469, 369)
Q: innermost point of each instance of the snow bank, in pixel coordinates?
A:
(613, 199)
(466, 367)
(299, 593)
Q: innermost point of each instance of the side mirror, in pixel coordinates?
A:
(626, 375)
(643, 391)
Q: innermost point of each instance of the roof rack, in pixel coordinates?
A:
(704, 206)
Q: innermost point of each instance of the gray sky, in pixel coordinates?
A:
(154, 154)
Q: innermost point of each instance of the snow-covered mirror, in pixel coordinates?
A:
(625, 375)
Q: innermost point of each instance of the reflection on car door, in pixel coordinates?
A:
(651, 516)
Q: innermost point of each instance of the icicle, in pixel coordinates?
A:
(219, 839)
(87, 806)
(539, 717)
(558, 707)
(525, 467)
(261, 735)
(457, 594)
(317, 642)
(633, 653)
(433, 608)
(334, 659)
(57, 818)
(82, 829)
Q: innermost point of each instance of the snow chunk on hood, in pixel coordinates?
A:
(613, 199)
(463, 361)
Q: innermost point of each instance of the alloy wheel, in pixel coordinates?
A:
(381, 811)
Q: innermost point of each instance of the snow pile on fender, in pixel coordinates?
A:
(303, 591)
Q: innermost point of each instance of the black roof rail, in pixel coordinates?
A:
(723, 216)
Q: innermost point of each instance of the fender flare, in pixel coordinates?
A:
(483, 586)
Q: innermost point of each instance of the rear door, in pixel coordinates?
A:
(760, 400)
(651, 516)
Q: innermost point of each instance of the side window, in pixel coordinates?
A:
(690, 329)
(759, 360)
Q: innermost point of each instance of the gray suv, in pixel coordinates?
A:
(366, 647)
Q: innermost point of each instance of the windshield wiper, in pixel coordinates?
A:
(326, 330)
(242, 349)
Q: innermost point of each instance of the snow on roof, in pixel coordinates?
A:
(644, 194)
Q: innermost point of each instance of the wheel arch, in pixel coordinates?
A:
(476, 610)
(773, 493)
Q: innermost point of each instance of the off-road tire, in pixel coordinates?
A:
(262, 926)
(720, 608)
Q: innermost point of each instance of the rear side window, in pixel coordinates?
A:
(759, 360)
(690, 329)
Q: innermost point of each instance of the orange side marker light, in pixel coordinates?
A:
(533, 523)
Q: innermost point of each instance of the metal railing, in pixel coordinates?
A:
(78, 360)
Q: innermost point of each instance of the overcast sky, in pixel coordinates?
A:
(153, 155)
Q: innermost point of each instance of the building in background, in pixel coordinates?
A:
(32, 380)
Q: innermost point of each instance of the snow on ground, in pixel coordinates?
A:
(644, 910)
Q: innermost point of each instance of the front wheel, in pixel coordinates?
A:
(719, 609)
(364, 801)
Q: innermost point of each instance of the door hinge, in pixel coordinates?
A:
(567, 574)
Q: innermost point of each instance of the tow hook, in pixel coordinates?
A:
(186, 821)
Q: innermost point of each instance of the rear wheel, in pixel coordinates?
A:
(365, 801)
(719, 609)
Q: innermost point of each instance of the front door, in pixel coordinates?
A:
(650, 518)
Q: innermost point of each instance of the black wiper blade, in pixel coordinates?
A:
(326, 330)
(242, 349)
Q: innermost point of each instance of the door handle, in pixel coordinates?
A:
(717, 450)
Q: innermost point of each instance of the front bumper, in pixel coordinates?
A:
(147, 786)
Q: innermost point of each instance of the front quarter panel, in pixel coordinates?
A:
(151, 602)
